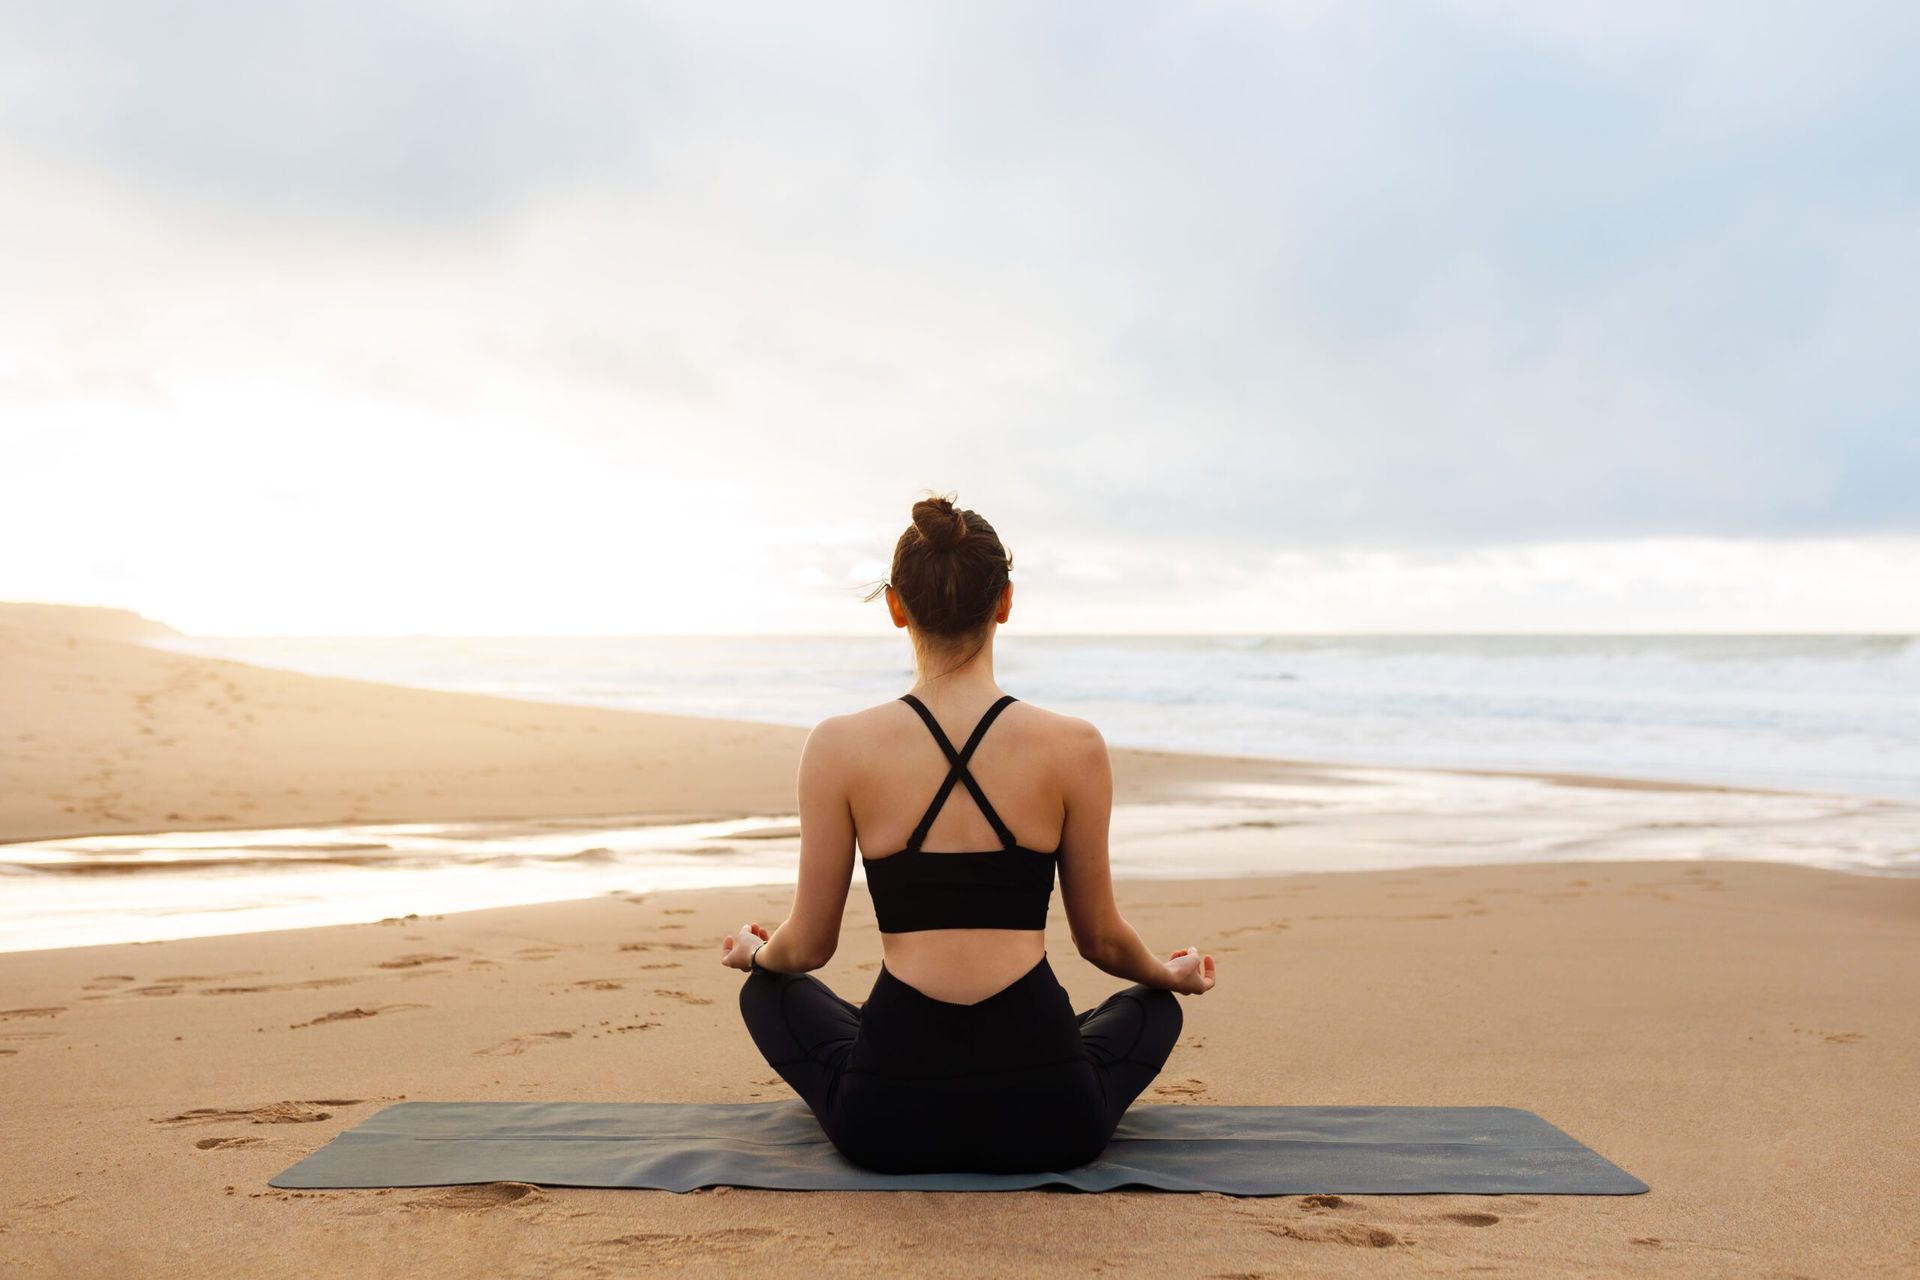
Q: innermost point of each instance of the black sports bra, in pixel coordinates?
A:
(1004, 888)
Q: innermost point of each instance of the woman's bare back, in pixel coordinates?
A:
(894, 770)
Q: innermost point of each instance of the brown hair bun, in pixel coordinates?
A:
(939, 523)
(949, 569)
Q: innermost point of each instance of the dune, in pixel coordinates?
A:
(83, 620)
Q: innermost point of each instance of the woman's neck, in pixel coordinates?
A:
(955, 670)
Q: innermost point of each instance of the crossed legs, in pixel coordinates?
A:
(802, 1029)
(805, 1032)
(1129, 1035)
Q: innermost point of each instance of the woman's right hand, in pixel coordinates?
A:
(1189, 972)
(736, 949)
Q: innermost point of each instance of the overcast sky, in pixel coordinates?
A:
(461, 317)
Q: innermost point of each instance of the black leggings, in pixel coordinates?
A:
(1014, 1084)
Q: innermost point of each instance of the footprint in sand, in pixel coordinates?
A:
(1188, 1088)
(1471, 1219)
(15, 1015)
(520, 1044)
(662, 964)
(310, 1111)
(27, 1037)
(354, 1015)
(221, 1144)
(54, 1201)
(478, 1199)
(731, 1244)
(1360, 1235)
(173, 983)
(414, 961)
(664, 946)
(534, 953)
(682, 996)
(109, 981)
(1322, 1202)
(597, 984)
(309, 984)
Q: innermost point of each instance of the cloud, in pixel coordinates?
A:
(1168, 285)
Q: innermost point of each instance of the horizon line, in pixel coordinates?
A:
(1054, 635)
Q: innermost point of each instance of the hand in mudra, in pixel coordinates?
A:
(1189, 972)
(736, 949)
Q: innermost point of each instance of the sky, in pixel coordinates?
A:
(472, 318)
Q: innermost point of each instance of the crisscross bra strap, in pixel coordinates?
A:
(959, 772)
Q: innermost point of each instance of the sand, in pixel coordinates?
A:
(1740, 1036)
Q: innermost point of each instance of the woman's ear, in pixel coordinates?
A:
(896, 610)
(1006, 603)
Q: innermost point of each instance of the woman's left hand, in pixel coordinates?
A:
(736, 951)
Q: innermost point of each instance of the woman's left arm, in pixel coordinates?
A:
(806, 939)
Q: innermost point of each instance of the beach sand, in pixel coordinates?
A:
(1740, 1036)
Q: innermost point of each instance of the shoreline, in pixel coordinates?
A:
(1761, 712)
(124, 887)
(1136, 885)
(1192, 759)
(115, 737)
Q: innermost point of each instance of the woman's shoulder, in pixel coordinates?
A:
(851, 729)
(1021, 718)
(1056, 726)
(1074, 746)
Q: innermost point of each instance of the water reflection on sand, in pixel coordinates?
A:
(196, 883)
(186, 884)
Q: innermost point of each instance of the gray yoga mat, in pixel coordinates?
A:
(1244, 1151)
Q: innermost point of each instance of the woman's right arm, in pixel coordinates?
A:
(1100, 932)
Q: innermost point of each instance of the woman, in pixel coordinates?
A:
(966, 1054)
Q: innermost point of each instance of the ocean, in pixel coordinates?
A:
(1819, 713)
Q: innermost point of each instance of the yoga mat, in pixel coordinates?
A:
(1244, 1151)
